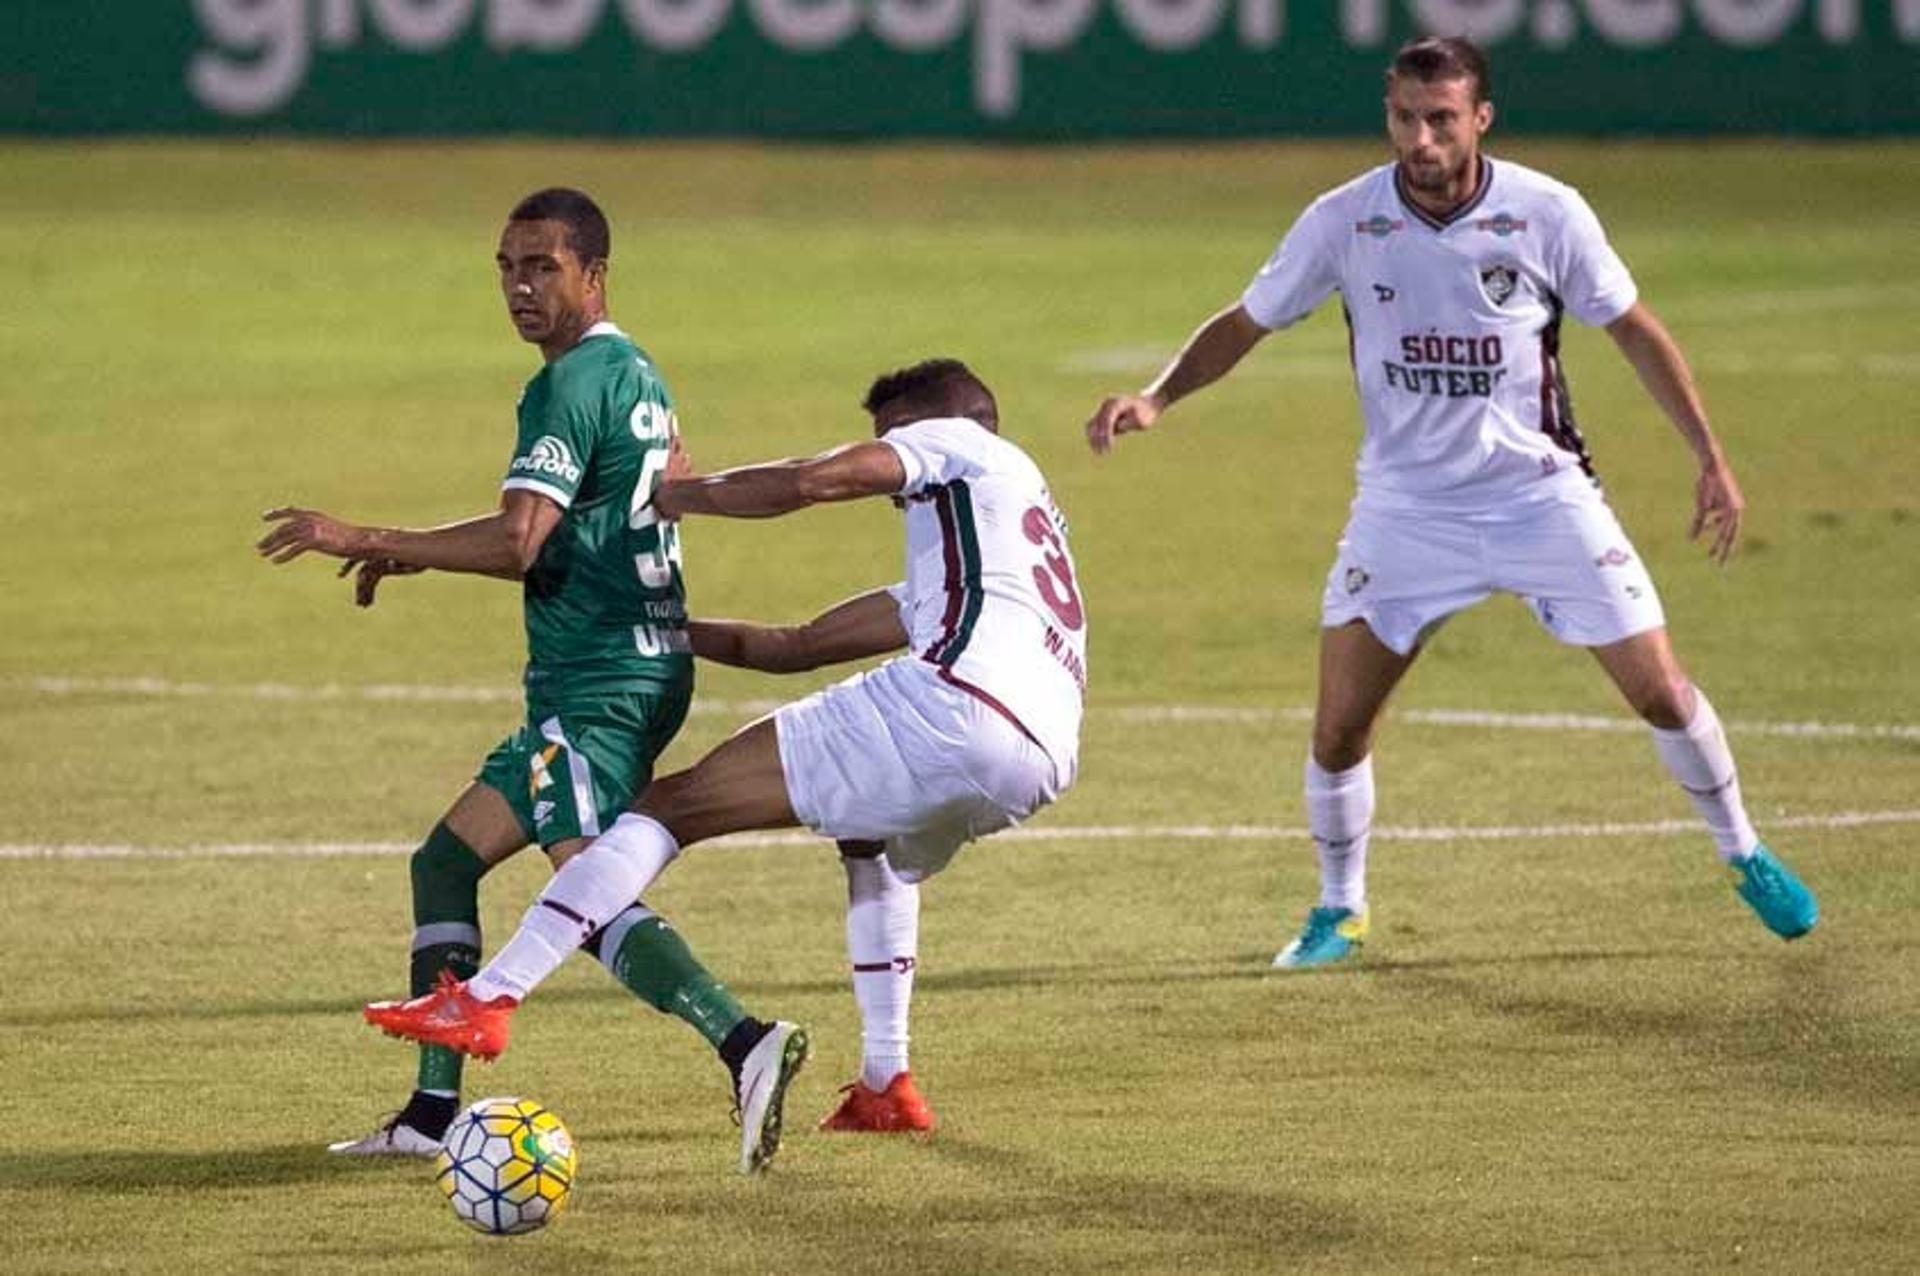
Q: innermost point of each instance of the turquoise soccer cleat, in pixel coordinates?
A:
(1782, 900)
(1330, 935)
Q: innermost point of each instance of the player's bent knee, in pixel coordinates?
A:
(664, 797)
(560, 852)
(1667, 705)
(1341, 752)
(444, 863)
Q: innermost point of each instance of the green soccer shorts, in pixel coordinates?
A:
(572, 769)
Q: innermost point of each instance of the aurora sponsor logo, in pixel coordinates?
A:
(550, 457)
(1379, 226)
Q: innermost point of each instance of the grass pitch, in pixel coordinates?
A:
(1568, 1046)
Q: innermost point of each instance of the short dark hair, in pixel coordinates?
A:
(587, 232)
(935, 387)
(1443, 57)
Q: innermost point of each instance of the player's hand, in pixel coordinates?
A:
(679, 464)
(1717, 506)
(296, 531)
(371, 571)
(1121, 414)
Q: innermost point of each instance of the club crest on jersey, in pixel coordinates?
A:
(1501, 224)
(1499, 281)
(1379, 226)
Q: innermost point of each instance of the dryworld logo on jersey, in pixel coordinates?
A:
(549, 456)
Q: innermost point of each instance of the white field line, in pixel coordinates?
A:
(1283, 365)
(1251, 714)
(1064, 833)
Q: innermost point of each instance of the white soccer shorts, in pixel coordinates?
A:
(896, 755)
(1405, 573)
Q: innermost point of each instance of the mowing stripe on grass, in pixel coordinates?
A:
(60, 685)
(1065, 833)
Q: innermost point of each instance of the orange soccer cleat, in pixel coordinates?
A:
(898, 1109)
(448, 1016)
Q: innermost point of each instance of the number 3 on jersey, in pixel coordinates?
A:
(653, 425)
(1054, 579)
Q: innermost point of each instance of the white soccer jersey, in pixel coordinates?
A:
(1455, 330)
(990, 598)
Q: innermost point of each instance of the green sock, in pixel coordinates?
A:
(446, 934)
(647, 955)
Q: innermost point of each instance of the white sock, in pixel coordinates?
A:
(590, 890)
(1340, 817)
(1698, 757)
(883, 941)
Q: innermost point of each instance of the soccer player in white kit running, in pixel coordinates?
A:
(1454, 270)
(973, 730)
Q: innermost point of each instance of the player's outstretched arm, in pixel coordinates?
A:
(1717, 501)
(1210, 353)
(868, 625)
(766, 491)
(503, 543)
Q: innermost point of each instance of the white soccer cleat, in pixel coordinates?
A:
(391, 1139)
(770, 1067)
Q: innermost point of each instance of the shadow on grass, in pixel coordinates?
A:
(1020, 1189)
(265, 1008)
(1795, 1025)
(1243, 966)
(117, 1170)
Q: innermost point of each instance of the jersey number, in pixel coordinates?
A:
(1054, 578)
(653, 424)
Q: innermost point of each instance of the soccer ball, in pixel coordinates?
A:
(506, 1166)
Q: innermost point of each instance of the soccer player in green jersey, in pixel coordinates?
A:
(609, 667)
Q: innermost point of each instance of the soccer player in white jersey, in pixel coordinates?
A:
(972, 730)
(1454, 270)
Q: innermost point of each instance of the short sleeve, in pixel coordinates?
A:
(1303, 272)
(935, 452)
(556, 442)
(1592, 280)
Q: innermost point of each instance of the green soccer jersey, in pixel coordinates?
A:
(605, 604)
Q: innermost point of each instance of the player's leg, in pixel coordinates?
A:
(1692, 744)
(1588, 587)
(945, 769)
(738, 786)
(1395, 579)
(762, 1056)
(606, 747)
(479, 831)
(883, 943)
(1358, 672)
(593, 893)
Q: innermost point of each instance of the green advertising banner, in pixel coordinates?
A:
(1035, 69)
